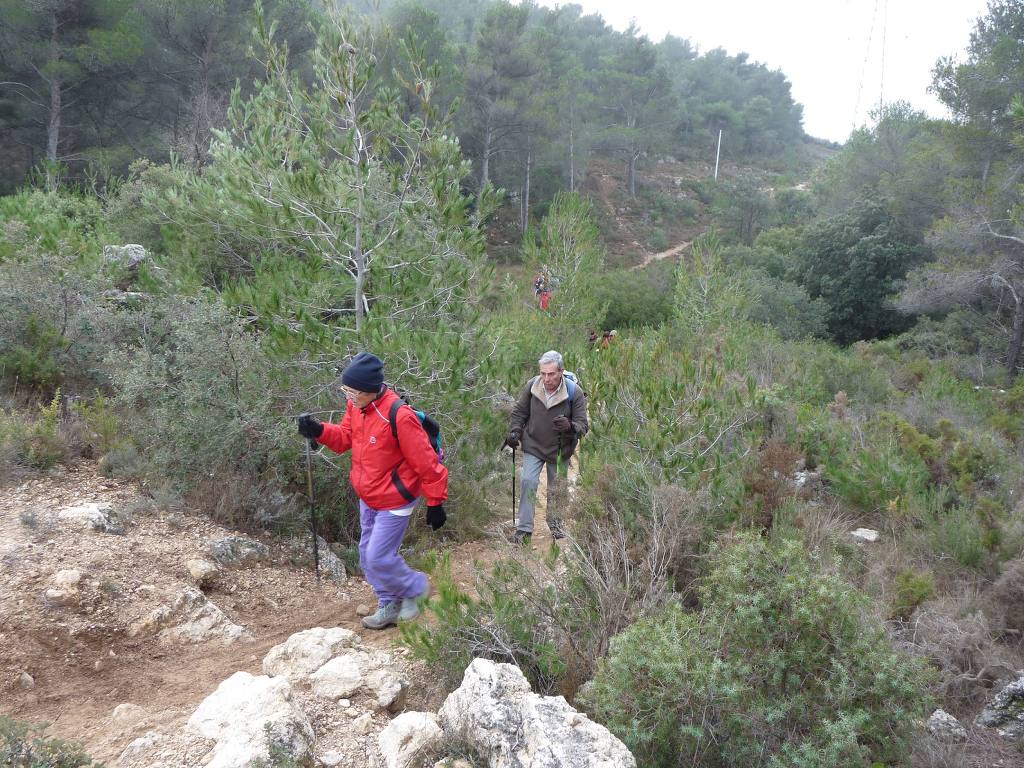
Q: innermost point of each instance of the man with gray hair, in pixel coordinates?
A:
(549, 418)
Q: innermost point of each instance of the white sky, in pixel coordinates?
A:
(831, 51)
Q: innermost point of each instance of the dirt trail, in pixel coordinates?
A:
(82, 658)
(673, 251)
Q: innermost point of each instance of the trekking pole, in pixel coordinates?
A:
(513, 487)
(312, 509)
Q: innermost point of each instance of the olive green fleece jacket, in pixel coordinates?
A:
(532, 418)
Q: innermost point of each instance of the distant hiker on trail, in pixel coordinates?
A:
(608, 338)
(540, 284)
(545, 300)
(549, 418)
(592, 338)
(390, 475)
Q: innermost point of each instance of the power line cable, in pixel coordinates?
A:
(864, 67)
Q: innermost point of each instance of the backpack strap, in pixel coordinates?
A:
(395, 479)
(392, 417)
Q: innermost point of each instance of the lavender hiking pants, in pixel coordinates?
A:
(385, 569)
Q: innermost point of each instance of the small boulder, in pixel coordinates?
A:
(26, 682)
(191, 618)
(127, 714)
(95, 516)
(64, 588)
(305, 652)
(246, 715)
(126, 256)
(139, 746)
(865, 535)
(338, 678)
(496, 714)
(203, 573)
(1005, 712)
(387, 687)
(238, 551)
(331, 759)
(409, 738)
(945, 727)
(363, 723)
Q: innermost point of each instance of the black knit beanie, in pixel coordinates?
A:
(365, 373)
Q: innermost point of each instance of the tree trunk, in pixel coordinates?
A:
(53, 128)
(1016, 338)
(524, 203)
(572, 151)
(633, 156)
(485, 157)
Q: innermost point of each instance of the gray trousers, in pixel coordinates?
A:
(528, 487)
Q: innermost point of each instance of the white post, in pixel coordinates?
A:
(718, 152)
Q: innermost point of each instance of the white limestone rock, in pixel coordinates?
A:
(305, 652)
(94, 516)
(245, 715)
(1005, 712)
(945, 727)
(192, 618)
(338, 678)
(495, 713)
(865, 535)
(409, 738)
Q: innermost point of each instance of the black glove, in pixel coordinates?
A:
(561, 423)
(310, 427)
(512, 441)
(436, 516)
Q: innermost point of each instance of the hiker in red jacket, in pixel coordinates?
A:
(389, 476)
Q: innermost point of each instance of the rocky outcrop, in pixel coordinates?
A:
(191, 618)
(95, 516)
(305, 652)
(238, 551)
(495, 713)
(126, 256)
(409, 739)
(247, 715)
(1005, 712)
(327, 677)
(944, 727)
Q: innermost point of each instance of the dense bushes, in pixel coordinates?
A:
(24, 746)
(783, 665)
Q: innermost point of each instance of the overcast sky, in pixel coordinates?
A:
(830, 50)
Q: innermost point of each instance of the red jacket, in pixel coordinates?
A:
(377, 460)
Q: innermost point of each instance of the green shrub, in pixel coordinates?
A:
(782, 666)
(23, 746)
(783, 305)
(54, 329)
(36, 443)
(501, 625)
(877, 478)
(958, 534)
(102, 424)
(912, 589)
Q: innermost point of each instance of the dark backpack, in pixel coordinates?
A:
(428, 422)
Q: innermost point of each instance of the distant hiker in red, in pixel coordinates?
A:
(545, 299)
(389, 475)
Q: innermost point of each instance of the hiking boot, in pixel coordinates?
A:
(557, 532)
(520, 537)
(410, 605)
(386, 616)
